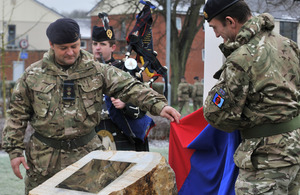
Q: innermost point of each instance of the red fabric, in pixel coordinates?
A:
(181, 135)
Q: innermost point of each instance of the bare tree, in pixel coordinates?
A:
(3, 66)
(181, 41)
(5, 24)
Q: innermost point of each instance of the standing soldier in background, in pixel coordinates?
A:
(61, 96)
(257, 93)
(103, 46)
(183, 94)
(197, 94)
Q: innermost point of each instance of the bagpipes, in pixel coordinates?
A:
(134, 128)
(140, 40)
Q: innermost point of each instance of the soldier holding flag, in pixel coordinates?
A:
(257, 93)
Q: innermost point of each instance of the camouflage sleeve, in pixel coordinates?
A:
(122, 85)
(16, 122)
(225, 101)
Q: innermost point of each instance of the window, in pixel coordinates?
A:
(18, 69)
(83, 44)
(11, 35)
(178, 23)
(289, 30)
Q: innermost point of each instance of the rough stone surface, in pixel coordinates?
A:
(149, 173)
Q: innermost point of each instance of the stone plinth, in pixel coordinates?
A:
(115, 173)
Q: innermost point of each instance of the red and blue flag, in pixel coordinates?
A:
(202, 156)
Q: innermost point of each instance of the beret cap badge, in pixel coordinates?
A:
(205, 15)
(109, 33)
(100, 34)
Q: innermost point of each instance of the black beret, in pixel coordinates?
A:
(99, 34)
(63, 30)
(214, 7)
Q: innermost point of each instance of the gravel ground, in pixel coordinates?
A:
(158, 143)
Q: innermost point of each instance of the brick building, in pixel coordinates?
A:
(123, 23)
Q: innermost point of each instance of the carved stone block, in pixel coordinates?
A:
(114, 173)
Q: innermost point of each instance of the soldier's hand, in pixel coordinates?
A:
(170, 113)
(117, 103)
(15, 164)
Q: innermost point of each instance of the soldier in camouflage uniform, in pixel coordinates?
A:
(103, 46)
(61, 97)
(183, 94)
(197, 94)
(257, 93)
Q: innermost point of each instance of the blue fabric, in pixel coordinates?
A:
(147, 3)
(140, 126)
(212, 168)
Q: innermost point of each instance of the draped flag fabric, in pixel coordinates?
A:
(140, 127)
(202, 156)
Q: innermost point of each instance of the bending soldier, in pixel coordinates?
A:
(257, 93)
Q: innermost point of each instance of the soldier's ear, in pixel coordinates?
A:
(51, 44)
(230, 21)
(114, 46)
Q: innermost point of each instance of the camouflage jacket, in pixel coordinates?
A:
(37, 98)
(197, 91)
(184, 91)
(259, 81)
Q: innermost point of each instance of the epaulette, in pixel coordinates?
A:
(34, 66)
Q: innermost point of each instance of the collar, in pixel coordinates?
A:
(83, 64)
(263, 22)
(112, 59)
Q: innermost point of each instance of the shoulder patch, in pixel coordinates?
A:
(222, 91)
(218, 100)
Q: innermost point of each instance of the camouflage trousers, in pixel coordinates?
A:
(44, 161)
(197, 104)
(269, 165)
(184, 104)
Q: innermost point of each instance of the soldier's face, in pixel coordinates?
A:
(102, 48)
(66, 54)
(227, 32)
